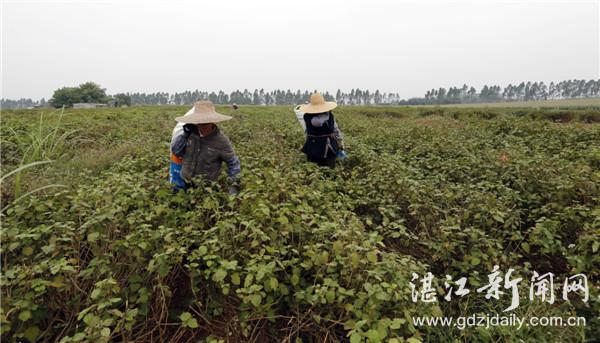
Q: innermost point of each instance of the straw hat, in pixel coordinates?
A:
(318, 104)
(203, 113)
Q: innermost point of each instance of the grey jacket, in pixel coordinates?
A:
(204, 156)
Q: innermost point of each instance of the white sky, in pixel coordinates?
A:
(399, 46)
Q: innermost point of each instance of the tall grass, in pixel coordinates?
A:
(41, 145)
(17, 173)
(45, 142)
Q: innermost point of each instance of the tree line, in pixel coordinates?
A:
(525, 91)
(522, 92)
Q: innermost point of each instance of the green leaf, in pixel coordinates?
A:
(235, 278)
(92, 237)
(219, 275)
(373, 335)
(355, 260)
(185, 316)
(255, 299)
(105, 332)
(25, 315)
(95, 293)
(372, 256)
(338, 247)
(273, 283)
(31, 333)
(248, 280)
(498, 216)
(475, 261)
(91, 319)
(355, 338)
(396, 323)
(330, 296)
(192, 323)
(80, 336)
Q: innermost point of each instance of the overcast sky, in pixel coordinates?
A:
(394, 46)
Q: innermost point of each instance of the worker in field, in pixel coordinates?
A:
(199, 148)
(323, 136)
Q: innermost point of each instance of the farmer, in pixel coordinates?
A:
(199, 147)
(323, 137)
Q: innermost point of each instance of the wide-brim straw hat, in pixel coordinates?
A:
(318, 104)
(203, 113)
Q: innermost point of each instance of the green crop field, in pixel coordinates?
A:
(105, 252)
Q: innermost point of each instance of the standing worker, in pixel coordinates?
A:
(198, 148)
(323, 137)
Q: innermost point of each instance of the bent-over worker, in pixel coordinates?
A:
(201, 148)
(323, 137)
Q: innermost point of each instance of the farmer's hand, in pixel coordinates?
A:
(187, 129)
(341, 154)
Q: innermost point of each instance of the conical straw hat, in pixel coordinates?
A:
(318, 104)
(204, 113)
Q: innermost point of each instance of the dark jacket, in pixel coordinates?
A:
(204, 156)
(321, 142)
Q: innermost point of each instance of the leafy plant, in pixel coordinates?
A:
(303, 253)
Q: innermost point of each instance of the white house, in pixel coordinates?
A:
(87, 105)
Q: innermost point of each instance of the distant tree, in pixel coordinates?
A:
(328, 97)
(464, 92)
(65, 96)
(256, 98)
(338, 96)
(471, 93)
(269, 99)
(377, 97)
(88, 92)
(223, 98)
(543, 91)
(213, 97)
(122, 99)
(92, 92)
(441, 95)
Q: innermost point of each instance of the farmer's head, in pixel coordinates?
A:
(206, 129)
(204, 116)
(318, 105)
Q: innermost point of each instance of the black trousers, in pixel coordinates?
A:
(324, 162)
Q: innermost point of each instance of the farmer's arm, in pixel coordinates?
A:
(179, 140)
(300, 117)
(233, 168)
(230, 158)
(178, 145)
